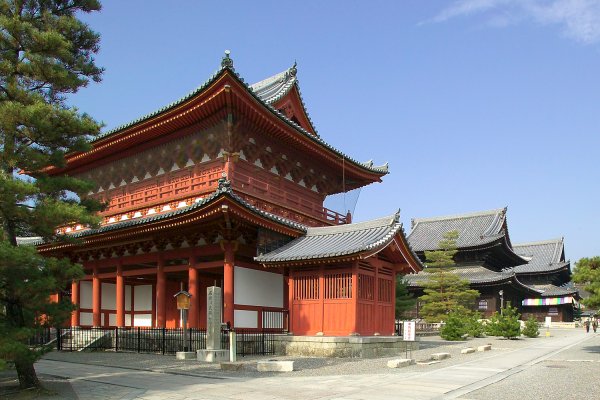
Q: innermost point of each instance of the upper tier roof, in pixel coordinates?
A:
(336, 241)
(474, 274)
(550, 290)
(475, 229)
(542, 256)
(267, 92)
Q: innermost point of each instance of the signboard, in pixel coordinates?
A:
(183, 300)
(548, 322)
(409, 331)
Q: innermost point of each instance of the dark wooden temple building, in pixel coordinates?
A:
(485, 256)
(206, 191)
(549, 273)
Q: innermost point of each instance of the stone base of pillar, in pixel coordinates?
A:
(212, 355)
(185, 355)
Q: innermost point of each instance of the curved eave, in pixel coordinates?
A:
(217, 204)
(181, 113)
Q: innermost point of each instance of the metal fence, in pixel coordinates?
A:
(421, 328)
(251, 341)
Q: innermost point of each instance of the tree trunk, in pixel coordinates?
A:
(26, 373)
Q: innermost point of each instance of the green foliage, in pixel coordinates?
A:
(46, 53)
(505, 324)
(455, 327)
(532, 327)
(587, 271)
(444, 290)
(405, 301)
(460, 324)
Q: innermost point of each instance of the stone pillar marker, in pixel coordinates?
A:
(213, 318)
(213, 351)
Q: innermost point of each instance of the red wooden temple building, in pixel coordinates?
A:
(226, 187)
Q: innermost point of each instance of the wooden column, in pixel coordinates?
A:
(75, 301)
(120, 296)
(321, 323)
(193, 290)
(96, 298)
(228, 299)
(355, 325)
(161, 295)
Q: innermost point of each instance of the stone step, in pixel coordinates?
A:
(440, 356)
(468, 350)
(400, 363)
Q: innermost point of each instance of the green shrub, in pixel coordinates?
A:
(492, 325)
(455, 327)
(475, 327)
(531, 328)
(505, 324)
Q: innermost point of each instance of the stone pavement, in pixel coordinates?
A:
(370, 379)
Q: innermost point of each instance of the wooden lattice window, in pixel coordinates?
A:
(306, 288)
(366, 287)
(338, 286)
(385, 290)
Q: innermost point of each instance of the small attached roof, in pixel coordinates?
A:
(473, 274)
(542, 256)
(343, 240)
(475, 229)
(273, 88)
(550, 290)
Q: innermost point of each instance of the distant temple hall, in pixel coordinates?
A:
(226, 187)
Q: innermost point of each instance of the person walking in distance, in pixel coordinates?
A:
(595, 324)
(587, 325)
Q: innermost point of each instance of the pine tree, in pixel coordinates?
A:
(587, 271)
(444, 290)
(46, 53)
(405, 301)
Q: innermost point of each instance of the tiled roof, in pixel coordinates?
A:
(550, 290)
(275, 87)
(27, 241)
(474, 274)
(543, 256)
(335, 241)
(265, 94)
(474, 229)
(223, 190)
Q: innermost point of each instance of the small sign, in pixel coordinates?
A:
(409, 331)
(183, 300)
(548, 322)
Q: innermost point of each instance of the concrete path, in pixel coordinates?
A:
(452, 381)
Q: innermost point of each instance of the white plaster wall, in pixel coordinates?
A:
(127, 297)
(257, 288)
(142, 299)
(142, 319)
(109, 296)
(112, 320)
(127, 319)
(85, 294)
(245, 319)
(86, 318)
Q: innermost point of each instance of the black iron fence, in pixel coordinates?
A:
(255, 341)
(421, 328)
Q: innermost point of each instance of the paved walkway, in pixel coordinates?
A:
(449, 379)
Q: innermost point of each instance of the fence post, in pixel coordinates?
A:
(139, 339)
(164, 340)
(58, 339)
(116, 339)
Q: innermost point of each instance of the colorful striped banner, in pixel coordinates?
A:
(548, 301)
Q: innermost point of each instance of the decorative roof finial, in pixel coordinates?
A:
(227, 62)
(294, 70)
(224, 184)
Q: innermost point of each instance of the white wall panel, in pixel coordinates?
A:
(142, 300)
(112, 320)
(109, 296)
(127, 319)
(142, 319)
(245, 319)
(85, 294)
(257, 288)
(86, 318)
(127, 297)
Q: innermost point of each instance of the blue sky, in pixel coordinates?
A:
(475, 104)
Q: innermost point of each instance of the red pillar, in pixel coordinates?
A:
(96, 298)
(356, 327)
(193, 290)
(161, 295)
(120, 296)
(228, 299)
(75, 301)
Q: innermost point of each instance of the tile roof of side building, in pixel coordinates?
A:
(474, 229)
(267, 92)
(335, 241)
(542, 256)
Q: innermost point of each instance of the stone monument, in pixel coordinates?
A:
(213, 351)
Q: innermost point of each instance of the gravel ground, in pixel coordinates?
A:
(304, 366)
